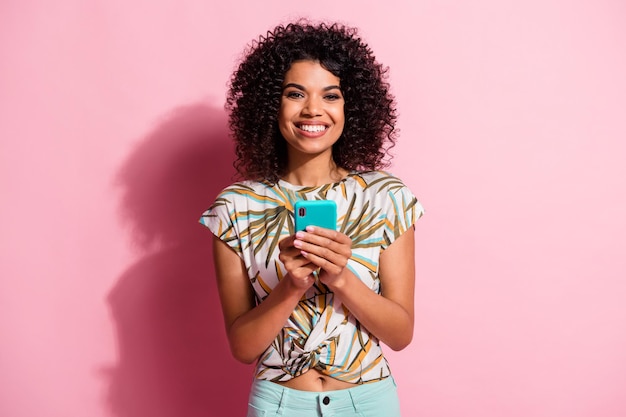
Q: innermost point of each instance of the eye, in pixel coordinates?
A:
(332, 97)
(294, 94)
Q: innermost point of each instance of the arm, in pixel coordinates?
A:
(251, 329)
(390, 315)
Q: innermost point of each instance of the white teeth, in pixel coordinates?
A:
(313, 128)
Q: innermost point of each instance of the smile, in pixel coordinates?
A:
(312, 128)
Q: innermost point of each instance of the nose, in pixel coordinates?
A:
(313, 106)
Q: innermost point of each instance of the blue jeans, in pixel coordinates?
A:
(376, 399)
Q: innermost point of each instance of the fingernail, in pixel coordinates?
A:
(299, 235)
(310, 228)
(297, 243)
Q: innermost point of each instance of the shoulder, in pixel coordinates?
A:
(238, 199)
(250, 198)
(379, 181)
(243, 190)
(389, 191)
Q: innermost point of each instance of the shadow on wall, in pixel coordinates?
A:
(173, 354)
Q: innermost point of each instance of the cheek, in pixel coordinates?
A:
(282, 129)
(339, 116)
(283, 124)
(285, 112)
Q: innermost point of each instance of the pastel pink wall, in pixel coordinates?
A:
(112, 138)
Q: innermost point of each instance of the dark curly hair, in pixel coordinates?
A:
(255, 91)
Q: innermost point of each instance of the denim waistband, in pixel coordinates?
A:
(349, 398)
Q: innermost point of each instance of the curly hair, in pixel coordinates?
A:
(255, 90)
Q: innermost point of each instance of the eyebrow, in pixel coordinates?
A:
(300, 87)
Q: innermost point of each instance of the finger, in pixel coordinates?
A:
(302, 281)
(305, 270)
(286, 242)
(324, 247)
(335, 241)
(330, 234)
(325, 264)
(292, 259)
(324, 257)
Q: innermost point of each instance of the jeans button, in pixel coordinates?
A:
(326, 400)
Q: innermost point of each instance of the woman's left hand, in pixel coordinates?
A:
(328, 249)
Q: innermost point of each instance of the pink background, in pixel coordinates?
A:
(112, 135)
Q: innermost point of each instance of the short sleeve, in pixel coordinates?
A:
(219, 219)
(402, 211)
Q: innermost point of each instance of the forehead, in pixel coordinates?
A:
(310, 73)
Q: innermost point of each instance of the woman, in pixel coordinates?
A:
(312, 117)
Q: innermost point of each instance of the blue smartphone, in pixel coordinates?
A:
(321, 213)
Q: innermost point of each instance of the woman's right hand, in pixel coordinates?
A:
(299, 269)
(252, 327)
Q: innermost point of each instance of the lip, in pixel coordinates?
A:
(312, 134)
(307, 123)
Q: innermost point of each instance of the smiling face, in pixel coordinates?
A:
(311, 117)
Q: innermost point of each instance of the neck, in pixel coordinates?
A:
(313, 172)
